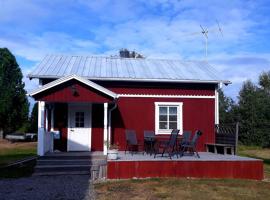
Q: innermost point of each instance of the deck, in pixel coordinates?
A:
(209, 165)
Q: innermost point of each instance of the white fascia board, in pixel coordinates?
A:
(166, 96)
(141, 79)
(78, 78)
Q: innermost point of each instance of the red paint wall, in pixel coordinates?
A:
(63, 93)
(139, 114)
(97, 127)
(159, 88)
(61, 124)
(199, 169)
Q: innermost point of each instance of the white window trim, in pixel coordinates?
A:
(179, 116)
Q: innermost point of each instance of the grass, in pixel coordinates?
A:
(260, 153)
(11, 152)
(202, 189)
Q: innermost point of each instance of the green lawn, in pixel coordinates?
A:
(202, 189)
(11, 152)
(257, 152)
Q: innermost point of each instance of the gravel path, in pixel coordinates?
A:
(71, 187)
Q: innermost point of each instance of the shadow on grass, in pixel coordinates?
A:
(24, 170)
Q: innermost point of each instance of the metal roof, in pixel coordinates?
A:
(129, 69)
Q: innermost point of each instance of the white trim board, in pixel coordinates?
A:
(179, 106)
(166, 96)
(78, 78)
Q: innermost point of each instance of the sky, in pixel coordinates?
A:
(155, 28)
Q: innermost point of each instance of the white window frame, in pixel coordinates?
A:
(179, 106)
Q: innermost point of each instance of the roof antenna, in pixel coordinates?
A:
(205, 32)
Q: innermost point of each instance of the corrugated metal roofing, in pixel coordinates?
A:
(133, 69)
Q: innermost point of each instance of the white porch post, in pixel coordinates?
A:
(105, 132)
(52, 129)
(41, 130)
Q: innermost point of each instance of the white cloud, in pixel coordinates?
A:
(155, 28)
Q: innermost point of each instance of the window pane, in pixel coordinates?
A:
(82, 124)
(173, 110)
(173, 118)
(163, 118)
(173, 125)
(163, 125)
(163, 110)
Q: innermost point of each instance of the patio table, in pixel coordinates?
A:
(153, 139)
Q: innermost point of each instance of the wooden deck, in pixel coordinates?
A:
(208, 166)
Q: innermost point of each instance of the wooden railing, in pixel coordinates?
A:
(227, 134)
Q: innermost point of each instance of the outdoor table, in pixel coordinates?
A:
(153, 139)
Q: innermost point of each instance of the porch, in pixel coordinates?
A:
(74, 115)
(209, 165)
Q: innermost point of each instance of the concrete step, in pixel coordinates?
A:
(53, 173)
(70, 157)
(62, 168)
(71, 162)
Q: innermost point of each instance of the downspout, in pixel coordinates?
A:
(109, 122)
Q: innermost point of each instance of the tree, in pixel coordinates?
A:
(13, 101)
(34, 119)
(227, 108)
(125, 53)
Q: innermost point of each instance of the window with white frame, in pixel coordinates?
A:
(168, 116)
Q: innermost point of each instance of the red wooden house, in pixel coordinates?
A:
(89, 101)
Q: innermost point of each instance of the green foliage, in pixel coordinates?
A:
(227, 108)
(252, 111)
(13, 101)
(34, 119)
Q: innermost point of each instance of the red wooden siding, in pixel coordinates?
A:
(139, 114)
(197, 169)
(97, 127)
(61, 124)
(124, 87)
(159, 88)
(63, 93)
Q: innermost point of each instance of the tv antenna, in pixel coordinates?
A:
(205, 32)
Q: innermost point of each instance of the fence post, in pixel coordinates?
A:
(236, 137)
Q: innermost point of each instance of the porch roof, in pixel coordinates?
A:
(73, 77)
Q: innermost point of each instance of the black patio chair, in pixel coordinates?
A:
(167, 146)
(132, 144)
(149, 141)
(192, 146)
(186, 138)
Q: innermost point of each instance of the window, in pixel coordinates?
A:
(168, 117)
(79, 119)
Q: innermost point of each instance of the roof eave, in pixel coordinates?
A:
(226, 82)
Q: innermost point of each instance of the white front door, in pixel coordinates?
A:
(79, 127)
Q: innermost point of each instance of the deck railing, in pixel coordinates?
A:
(227, 134)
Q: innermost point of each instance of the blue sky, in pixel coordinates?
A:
(157, 29)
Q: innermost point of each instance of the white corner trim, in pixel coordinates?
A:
(216, 107)
(167, 96)
(179, 116)
(78, 78)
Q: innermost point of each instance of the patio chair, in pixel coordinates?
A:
(192, 146)
(149, 141)
(132, 144)
(167, 146)
(186, 138)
